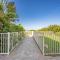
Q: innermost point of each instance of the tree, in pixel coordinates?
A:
(8, 17)
(11, 11)
(1, 17)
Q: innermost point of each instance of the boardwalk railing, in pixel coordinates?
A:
(8, 41)
(39, 38)
(48, 42)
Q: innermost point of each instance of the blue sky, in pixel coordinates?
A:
(35, 14)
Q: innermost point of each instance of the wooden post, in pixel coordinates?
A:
(8, 42)
(43, 43)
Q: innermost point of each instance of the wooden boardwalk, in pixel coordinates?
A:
(27, 50)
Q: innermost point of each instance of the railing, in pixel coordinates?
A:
(48, 42)
(3, 43)
(39, 38)
(8, 41)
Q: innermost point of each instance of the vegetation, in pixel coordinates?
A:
(54, 28)
(6, 19)
(51, 39)
(53, 46)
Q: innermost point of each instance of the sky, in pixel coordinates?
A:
(35, 14)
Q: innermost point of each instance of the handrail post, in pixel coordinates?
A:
(17, 36)
(8, 42)
(43, 44)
